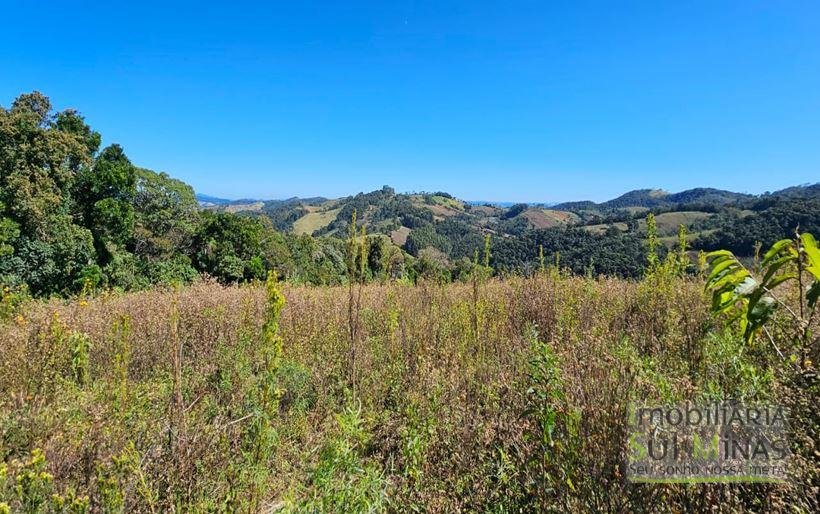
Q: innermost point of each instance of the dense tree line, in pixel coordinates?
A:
(73, 215)
(284, 214)
(777, 219)
(611, 253)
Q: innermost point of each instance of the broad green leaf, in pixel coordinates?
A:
(759, 315)
(734, 278)
(719, 253)
(762, 310)
(812, 254)
(774, 266)
(721, 258)
(722, 266)
(722, 301)
(746, 287)
(775, 250)
(780, 279)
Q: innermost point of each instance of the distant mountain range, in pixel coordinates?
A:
(644, 198)
(454, 229)
(658, 197)
(208, 200)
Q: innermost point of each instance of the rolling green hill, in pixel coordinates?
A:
(456, 228)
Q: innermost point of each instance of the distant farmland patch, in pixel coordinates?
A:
(548, 218)
(244, 207)
(399, 236)
(314, 220)
(668, 222)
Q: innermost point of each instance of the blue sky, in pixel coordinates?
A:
(519, 101)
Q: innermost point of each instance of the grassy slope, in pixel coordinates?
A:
(548, 218)
(316, 218)
(667, 222)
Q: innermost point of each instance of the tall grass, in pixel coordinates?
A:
(488, 396)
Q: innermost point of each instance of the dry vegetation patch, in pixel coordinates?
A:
(448, 414)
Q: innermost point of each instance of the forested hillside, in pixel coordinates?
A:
(585, 236)
(74, 215)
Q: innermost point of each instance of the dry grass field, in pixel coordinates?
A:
(497, 396)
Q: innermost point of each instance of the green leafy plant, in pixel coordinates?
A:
(26, 486)
(556, 421)
(80, 348)
(343, 479)
(753, 300)
(262, 434)
(357, 249)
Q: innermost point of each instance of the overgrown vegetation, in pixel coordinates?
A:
(491, 395)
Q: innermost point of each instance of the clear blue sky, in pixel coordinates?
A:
(520, 101)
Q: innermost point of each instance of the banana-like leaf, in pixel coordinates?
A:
(780, 279)
(775, 250)
(733, 278)
(714, 261)
(719, 253)
(746, 287)
(722, 265)
(774, 267)
(737, 293)
(719, 300)
(812, 254)
(759, 315)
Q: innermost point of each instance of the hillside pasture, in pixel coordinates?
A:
(315, 219)
(548, 218)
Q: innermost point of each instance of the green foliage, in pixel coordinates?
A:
(52, 262)
(11, 299)
(298, 391)
(80, 345)
(768, 221)
(732, 370)
(432, 265)
(556, 420)
(425, 237)
(343, 479)
(27, 487)
(70, 214)
(754, 300)
(261, 435)
(652, 243)
(9, 232)
(622, 254)
(38, 163)
(515, 210)
(166, 215)
(231, 246)
(486, 255)
(104, 194)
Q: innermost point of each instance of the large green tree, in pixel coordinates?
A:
(40, 156)
(105, 194)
